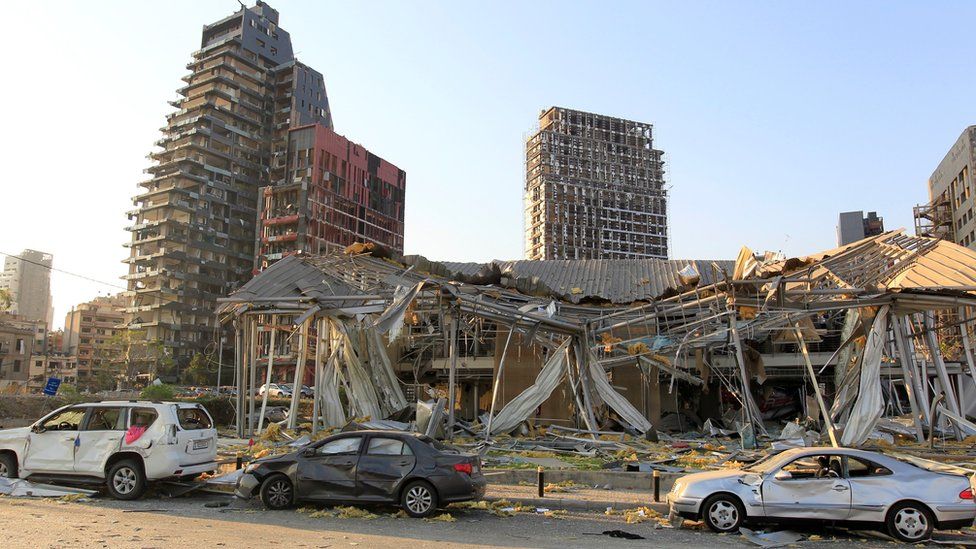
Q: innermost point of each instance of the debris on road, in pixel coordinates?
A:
(25, 488)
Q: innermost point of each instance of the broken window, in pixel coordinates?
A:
(349, 445)
(388, 447)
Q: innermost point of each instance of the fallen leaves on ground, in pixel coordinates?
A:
(345, 512)
(443, 517)
(640, 514)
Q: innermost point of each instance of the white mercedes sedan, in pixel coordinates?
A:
(906, 497)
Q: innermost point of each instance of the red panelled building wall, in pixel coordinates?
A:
(335, 193)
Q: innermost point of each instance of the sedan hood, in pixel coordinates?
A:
(721, 477)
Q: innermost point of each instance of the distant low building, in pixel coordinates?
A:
(43, 367)
(89, 329)
(854, 226)
(16, 348)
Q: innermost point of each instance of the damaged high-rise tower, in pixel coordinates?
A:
(594, 189)
(193, 229)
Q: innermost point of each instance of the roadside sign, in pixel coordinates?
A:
(51, 388)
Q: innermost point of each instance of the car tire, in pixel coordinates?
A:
(126, 480)
(277, 492)
(910, 521)
(723, 513)
(419, 499)
(8, 466)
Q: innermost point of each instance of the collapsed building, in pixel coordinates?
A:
(880, 327)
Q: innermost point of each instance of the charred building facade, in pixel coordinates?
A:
(332, 193)
(594, 189)
(193, 227)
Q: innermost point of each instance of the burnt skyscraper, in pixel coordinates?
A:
(594, 189)
(193, 228)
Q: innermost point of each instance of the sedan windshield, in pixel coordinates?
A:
(768, 463)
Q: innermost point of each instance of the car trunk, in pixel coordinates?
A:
(196, 435)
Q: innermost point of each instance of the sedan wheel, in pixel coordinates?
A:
(277, 493)
(723, 513)
(910, 522)
(419, 499)
(4, 472)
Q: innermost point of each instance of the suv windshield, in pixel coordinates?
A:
(193, 418)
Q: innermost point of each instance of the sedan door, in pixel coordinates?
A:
(329, 470)
(806, 489)
(384, 465)
(100, 437)
(51, 448)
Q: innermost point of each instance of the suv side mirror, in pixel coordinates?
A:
(783, 475)
(37, 428)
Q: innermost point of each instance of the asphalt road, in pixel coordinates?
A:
(187, 522)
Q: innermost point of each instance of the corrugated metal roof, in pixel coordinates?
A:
(946, 265)
(614, 280)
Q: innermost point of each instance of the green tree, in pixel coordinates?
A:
(158, 392)
(128, 354)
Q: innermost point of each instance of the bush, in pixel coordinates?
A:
(221, 409)
(158, 392)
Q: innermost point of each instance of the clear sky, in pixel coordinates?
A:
(774, 116)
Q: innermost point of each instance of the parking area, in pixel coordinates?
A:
(220, 521)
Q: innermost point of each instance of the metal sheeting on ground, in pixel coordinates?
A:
(15, 487)
(528, 400)
(615, 400)
(363, 400)
(870, 402)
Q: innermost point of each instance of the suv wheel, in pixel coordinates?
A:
(126, 480)
(419, 499)
(8, 466)
(723, 513)
(910, 522)
(277, 492)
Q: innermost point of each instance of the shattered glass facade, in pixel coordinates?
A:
(594, 189)
(193, 227)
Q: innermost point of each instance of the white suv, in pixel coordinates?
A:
(123, 444)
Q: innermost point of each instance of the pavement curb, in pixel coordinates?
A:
(578, 504)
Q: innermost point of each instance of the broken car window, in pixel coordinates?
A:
(824, 466)
(858, 468)
(388, 447)
(143, 417)
(68, 420)
(349, 445)
(193, 418)
(106, 419)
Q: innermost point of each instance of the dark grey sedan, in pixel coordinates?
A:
(413, 471)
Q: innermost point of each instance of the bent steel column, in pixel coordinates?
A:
(267, 382)
(908, 373)
(940, 368)
(816, 387)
